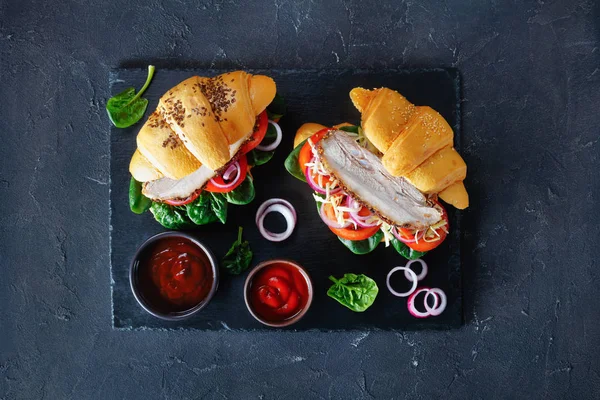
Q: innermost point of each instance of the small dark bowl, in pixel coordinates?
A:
(295, 318)
(137, 290)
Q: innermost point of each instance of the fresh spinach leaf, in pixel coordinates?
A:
(258, 157)
(277, 108)
(363, 246)
(219, 206)
(170, 217)
(292, 165)
(351, 129)
(406, 251)
(138, 203)
(239, 256)
(357, 292)
(200, 210)
(242, 194)
(127, 107)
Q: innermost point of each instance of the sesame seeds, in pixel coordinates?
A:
(172, 141)
(174, 112)
(219, 95)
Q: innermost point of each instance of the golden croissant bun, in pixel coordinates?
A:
(416, 143)
(201, 121)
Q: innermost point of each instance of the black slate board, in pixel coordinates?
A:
(312, 96)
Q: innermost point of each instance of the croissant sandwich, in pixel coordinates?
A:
(195, 150)
(416, 143)
(360, 201)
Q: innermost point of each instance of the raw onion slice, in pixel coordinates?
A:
(423, 272)
(284, 208)
(331, 223)
(275, 143)
(361, 220)
(435, 310)
(233, 168)
(411, 303)
(404, 240)
(315, 185)
(414, 281)
(267, 203)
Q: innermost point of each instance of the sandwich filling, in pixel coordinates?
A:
(362, 175)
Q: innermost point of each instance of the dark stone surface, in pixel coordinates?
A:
(531, 93)
(311, 95)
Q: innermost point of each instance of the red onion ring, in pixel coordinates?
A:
(423, 272)
(284, 208)
(315, 186)
(411, 303)
(406, 270)
(277, 141)
(361, 220)
(435, 311)
(405, 240)
(333, 224)
(233, 167)
(267, 203)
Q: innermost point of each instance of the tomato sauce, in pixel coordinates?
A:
(278, 292)
(175, 274)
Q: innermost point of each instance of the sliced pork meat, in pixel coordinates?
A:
(362, 174)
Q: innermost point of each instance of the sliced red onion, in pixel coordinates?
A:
(423, 272)
(413, 280)
(289, 219)
(227, 175)
(405, 240)
(277, 141)
(267, 203)
(315, 186)
(284, 208)
(361, 220)
(232, 168)
(411, 303)
(329, 222)
(435, 310)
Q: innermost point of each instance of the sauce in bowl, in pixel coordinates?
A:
(278, 292)
(173, 275)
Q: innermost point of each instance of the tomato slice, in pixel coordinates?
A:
(259, 133)
(426, 246)
(349, 233)
(355, 234)
(183, 202)
(243, 161)
(305, 154)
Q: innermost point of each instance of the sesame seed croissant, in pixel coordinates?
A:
(416, 142)
(200, 122)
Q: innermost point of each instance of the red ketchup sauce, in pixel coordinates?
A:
(175, 274)
(278, 292)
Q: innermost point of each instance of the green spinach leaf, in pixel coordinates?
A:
(406, 251)
(259, 157)
(277, 108)
(242, 194)
(363, 246)
(351, 129)
(292, 165)
(219, 206)
(200, 210)
(127, 107)
(170, 217)
(357, 292)
(239, 256)
(138, 203)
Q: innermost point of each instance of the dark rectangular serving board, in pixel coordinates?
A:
(312, 96)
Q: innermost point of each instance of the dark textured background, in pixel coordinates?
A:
(531, 74)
